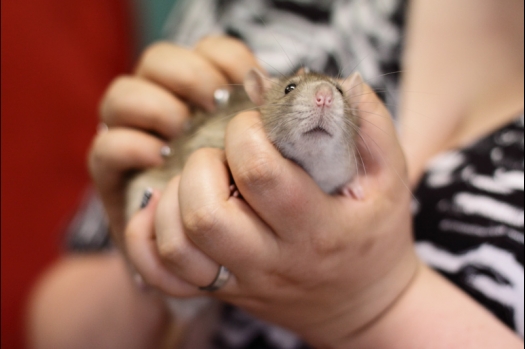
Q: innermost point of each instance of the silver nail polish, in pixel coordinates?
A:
(146, 198)
(221, 97)
(165, 151)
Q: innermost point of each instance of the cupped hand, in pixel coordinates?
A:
(323, 266)
(146, 109)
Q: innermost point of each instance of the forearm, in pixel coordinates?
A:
(433, 313)
(83, 296)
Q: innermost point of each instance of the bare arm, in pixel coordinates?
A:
(434, 314)
(463, 74)
(82, 296)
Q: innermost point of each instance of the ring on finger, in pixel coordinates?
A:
(222, 277)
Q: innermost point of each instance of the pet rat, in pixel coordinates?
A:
(309, 117)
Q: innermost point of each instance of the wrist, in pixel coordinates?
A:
(366, 310)
(365, 336)
(432, 312)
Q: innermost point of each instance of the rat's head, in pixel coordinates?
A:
(306, 107)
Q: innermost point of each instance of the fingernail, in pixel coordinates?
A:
(102, 127)
(165, 151)
(146, 198)
(221, 97)
(139, 281)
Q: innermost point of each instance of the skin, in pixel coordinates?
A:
(463, 75)
(63, 315)
(280, 240)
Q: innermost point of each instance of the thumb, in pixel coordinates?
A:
(378, 144)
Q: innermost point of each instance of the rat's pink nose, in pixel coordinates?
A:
(324, 96)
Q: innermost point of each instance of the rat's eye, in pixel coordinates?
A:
(338, 88)
(289, 88)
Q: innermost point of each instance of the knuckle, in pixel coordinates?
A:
(259, 171)
(230, 54)
(187, 81)
(209, 42)
(238, 49)
(199, 222)
(283, 279)
(105, 145)
(150, 54)
(325, 244)
(172, 252)
(234, 46)
(120, 100)
(112, 150)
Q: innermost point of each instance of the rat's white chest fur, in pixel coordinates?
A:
(330, 165)
(320, 139)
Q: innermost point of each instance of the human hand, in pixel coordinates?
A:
(145, 109)
(323, 266)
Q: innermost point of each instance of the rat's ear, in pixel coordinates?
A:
(353, 87)
(256, 83)
(303, 70)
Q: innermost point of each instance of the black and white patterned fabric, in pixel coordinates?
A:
(469, 225)
(336, 37)
(469, 221)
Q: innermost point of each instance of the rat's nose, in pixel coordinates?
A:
(324, 96)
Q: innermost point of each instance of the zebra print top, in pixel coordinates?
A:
(335, 37)
(469, 224)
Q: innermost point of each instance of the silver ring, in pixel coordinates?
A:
(221, 97)
(220, 280)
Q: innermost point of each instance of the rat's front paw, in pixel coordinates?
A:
(353, 189)
(234, 191)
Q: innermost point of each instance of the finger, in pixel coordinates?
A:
(138, 103)
(142, 251)
(222, 226)
(176, 250)
(183, 72)
(231, 56)
(117, 151)
(378, 144)
(281, 193)
(112, 156)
